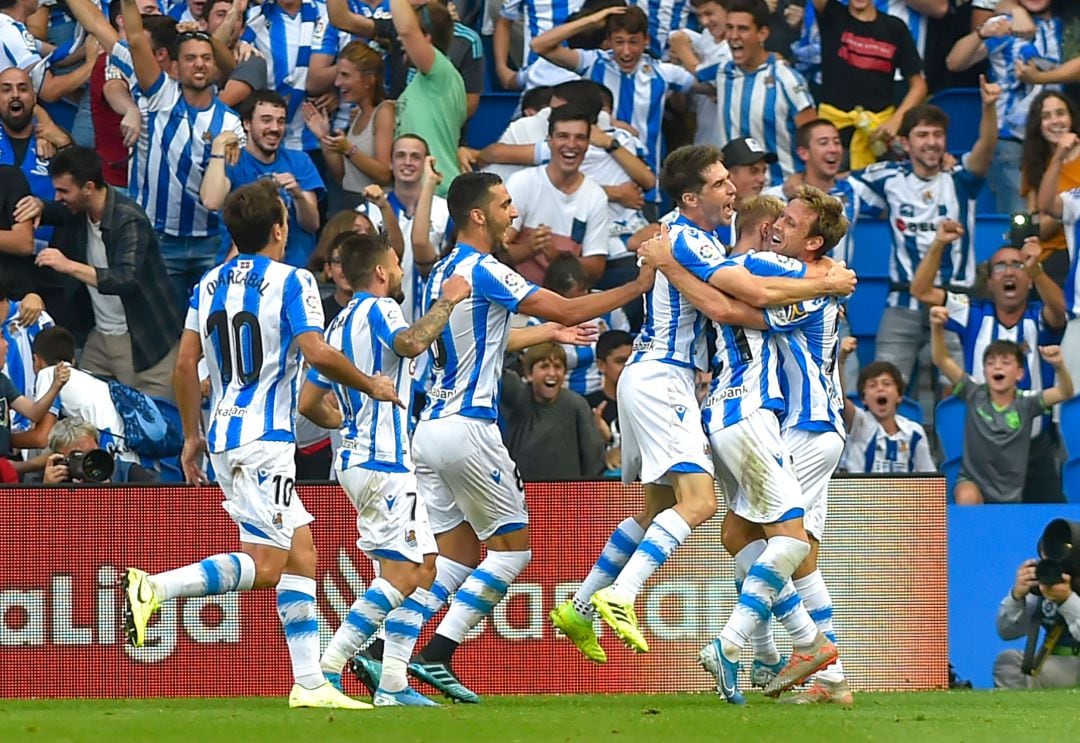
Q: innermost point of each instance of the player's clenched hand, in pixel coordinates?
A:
(30, 308)
(840, 279)
(656, 251)
(948, 231)
(1025, 580)
(383, 388)
(938, 317)
(456, 288)
(194, 447)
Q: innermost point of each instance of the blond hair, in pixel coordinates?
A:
(831, 225)
(754, 210)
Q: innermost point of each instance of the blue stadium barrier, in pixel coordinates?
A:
(1070, 480)
(1069, 427)
(907, 407)
(949, 424)
(491, 118)
(873, 245)
(964, 108)
(991, 232)
(985, 203)
(865, 305)
(951, 470)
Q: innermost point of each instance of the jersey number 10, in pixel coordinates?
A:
(239, 352)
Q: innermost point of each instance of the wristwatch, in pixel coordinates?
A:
(613, 146)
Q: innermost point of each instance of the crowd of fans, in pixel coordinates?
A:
(123, 127)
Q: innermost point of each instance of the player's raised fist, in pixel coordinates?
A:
(948, 231)
(840, 279)
(456, 288)
(938, 317)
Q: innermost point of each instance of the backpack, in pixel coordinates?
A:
(152, 426)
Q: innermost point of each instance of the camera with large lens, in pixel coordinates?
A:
(1059, 552)
(95, 465)
(1021, 227)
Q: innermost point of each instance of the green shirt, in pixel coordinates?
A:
(432, 106)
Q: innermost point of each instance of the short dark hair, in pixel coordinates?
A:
(162, 30)
(585, 95)
(360, 254)
(806, 131)
(250, 213)
(756, 8)
(564, 273)
(54, 345)
(467, 192)
(262, 95)
(633, 21)
(81, 163)
(1004, 348)
(208, 7)
(609, 341)
(683, 168)
(5, 4)
(875, 369)
(414, 136)
(436, 22)
(537, 98)
(924, 113)
(569, 113)
(187, 36)
(115, 11)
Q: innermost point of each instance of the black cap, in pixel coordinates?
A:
(746, 151)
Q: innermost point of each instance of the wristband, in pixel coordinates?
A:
(613, 146)
(352, 151)
(216, 157)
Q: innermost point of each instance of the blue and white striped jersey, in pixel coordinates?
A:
(674, 330)
(21, 49)
(1070, 219)
(537, 16)
(916, 22)
(746, 365)
(639, 96)
(375, 434)
(19, 362)
(248, 313)
(665, 18)
(808, 341)
(1016, 96)
(916, 207)
(287, 42)
(871, 450)
(582, 372)
(178, 139)
(761, 104)
(469, 352)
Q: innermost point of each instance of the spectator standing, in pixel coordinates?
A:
(110, 247)
(20, 323)
(862, 51)
(224, 20)
(537, 17)
(36, 57)
(16, 238)
(693, 49)
(613, 350)
(1000, 42)
(666, 17)
(266, 154)
(757, 94)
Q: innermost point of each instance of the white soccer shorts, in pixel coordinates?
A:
(755, 469)
(391, 517)
(816, 455)
(464, 473)
(660, 422)
(258, 480)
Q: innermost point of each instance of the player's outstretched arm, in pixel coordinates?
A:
(314, 406)
(584, 334)
(419, 336)
(552, 306)
(333, 364)
(189, 401)
(772, 291)
(939, 353)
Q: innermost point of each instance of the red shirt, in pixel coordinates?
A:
(107, 136)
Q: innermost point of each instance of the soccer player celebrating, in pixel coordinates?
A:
(374, 464)
(471, 485)
(663, 441)
(252, 317)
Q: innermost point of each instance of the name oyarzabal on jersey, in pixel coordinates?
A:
(674, 330)
(248, 313)
(469, 352)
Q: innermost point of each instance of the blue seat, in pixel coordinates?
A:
(949, 424)
(1069, 427)
(951, 470)
(873, 244)
(991, 232)
(964, 108)
(865, 306)
(491, 118)
(985, 203)
(1070, 480)
(867, 349)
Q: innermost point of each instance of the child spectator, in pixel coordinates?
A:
(879, 440)
(13, 400)
(613, 350)
(997, 426)
(549, 431)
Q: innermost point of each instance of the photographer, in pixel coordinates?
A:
(76, 457)
(1061, 668)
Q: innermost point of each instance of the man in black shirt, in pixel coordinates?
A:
(16, 238)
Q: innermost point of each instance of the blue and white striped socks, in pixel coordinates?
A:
(364, 618)
(620, 546)
(403, 627)
(230, 571)
(815, 594)
(667, 531)
(296, 610)
(481, 591)
(761, 639)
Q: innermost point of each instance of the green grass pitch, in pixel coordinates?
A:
(918, 717)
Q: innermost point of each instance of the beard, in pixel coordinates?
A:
(19, 121)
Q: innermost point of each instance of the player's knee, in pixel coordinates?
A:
(699, 508)
(425, 574)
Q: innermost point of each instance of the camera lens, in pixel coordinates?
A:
(97, 466)
(1048, 571)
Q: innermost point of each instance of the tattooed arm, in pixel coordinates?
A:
(414, 340)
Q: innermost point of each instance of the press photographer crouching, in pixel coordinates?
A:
(1043, 603)
(77, 458)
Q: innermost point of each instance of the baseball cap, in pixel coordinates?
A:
(746, 151)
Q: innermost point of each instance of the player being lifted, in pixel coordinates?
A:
(754, 466)
(464, 472)
(373, 463)
(252, 317)
(663, 441)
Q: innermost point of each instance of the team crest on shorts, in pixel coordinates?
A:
(279, 523)
(410, 537)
